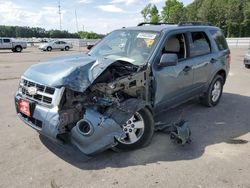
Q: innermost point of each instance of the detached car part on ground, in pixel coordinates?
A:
(108, 97)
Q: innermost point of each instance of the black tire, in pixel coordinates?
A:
(18, 49)
(66, 48)
(146, 136)
(247, 66)
(208, 99)
(13, 50)
(49, 48)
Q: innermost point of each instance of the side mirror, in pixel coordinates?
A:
(168, 60)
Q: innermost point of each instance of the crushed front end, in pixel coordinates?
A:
(92, 118)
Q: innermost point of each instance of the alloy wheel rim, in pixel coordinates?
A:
(134, 129)
(216, 91)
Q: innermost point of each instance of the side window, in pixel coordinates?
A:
(219, 39)
(62, 42)
(176, 44)
(6, 40)
(57, 42)
(200, 44)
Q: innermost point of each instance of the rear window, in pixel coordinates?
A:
(219, 39)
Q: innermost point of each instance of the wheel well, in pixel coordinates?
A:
(150, 109)
(18, 46)
(223, 74)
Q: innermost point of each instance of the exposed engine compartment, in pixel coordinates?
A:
(120, 88)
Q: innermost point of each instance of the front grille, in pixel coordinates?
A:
(43, 95)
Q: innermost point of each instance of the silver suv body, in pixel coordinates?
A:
(108, 97)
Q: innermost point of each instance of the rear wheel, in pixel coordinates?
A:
(139, 130)
(214, 92)
(49, 48)
(247, 66)
(18, 49)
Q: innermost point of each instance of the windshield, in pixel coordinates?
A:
(131, 46)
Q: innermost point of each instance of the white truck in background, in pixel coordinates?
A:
(11, 44)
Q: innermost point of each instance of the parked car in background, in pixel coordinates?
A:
(247, 60)
(56, 44)
(12, 44)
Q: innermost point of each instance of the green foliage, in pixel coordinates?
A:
(89, 35)
(173, 12)
(28, 32)
(150, 14)
(232, 16)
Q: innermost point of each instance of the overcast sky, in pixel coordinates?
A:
(94, 15)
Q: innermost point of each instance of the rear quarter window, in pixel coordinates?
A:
(219, 39)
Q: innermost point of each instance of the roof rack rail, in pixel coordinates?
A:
(148, 23)
(195, 24)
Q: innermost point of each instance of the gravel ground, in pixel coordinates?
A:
(219, 155)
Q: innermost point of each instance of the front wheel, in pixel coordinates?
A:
(139, 130)
(247, 66)
(214, 92)
(66, 48)
(49, 48)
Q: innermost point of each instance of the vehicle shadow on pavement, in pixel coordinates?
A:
(209, 126)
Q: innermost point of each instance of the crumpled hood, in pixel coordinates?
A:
(75, 72)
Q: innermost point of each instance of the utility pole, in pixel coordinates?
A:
(59, 12)
(82, 27)
(76, 22)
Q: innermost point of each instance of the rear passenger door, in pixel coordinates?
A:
(200, 52)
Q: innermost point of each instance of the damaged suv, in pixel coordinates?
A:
(108, 97)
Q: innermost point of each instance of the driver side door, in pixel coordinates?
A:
(173, 84)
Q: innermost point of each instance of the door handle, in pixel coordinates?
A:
(187, 69)
(213, 60)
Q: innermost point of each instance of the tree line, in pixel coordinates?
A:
(232, 16)
(28, 32)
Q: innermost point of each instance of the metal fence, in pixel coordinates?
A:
(232, 42)
(239, 42)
